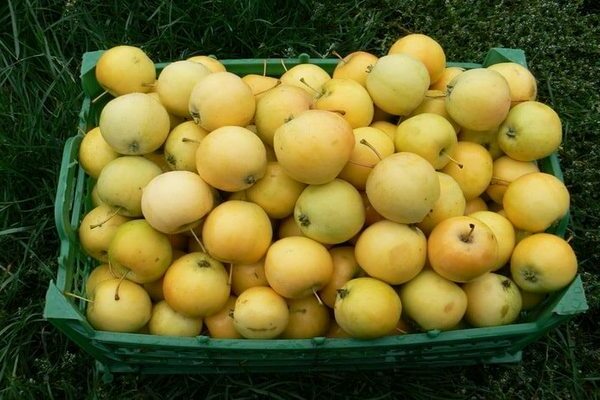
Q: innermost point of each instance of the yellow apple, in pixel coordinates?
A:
(308, 77)
(447, 75)
(167, 322)
(504, 171)
(492, 300)
(97, 229)
(95, 153)
(425, 49)
(392, 252)
(308, 319)
(543, 263)
(532, 130)
(348, 98)
(181, 145)
(125, 69)
(462, 248)
(355, 66)
(220, 324)
(345, 268)
(175, 83)
(521, 81)
(451, 203)
(488, 139)
(433, 301)
(209, 62)
(245, 276)
(472, 168)
(503, 231)
(260, 313)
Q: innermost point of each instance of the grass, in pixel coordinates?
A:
(41, 44)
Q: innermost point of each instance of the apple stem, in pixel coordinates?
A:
(435, 96)
(401, 330)
(230, 278)
(266, 90)
(310, 87)
(284, 67)
(117, 298)
(198, 241)
(511, 133)
(359, 164)
(459, 165)
(186, 140)
(341, 112)
(99, 224)
(369, 68)
(335, 53)
(317, 296)
(499, 181)
(153, 84)
(77, 297)
(369, 145)
(265, 67)
(95, 99)
(569, 239)
(472, 226)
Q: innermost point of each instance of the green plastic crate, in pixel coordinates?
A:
(141, 353)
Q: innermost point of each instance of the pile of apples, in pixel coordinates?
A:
(396, 195)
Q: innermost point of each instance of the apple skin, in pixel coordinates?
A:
(260, 313)
(473, 169)
(462, 249)
(492, 300)
(451, 203)
(367, 308)
(543, 263)
(532, 130)
(429, 135)
(355, 66)
(534, 201)
(119, 305)
(167, 322)
(433, 301)
(349, 98)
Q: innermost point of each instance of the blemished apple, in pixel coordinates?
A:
(330, 213)
(543, 263)
(532, 130)
(125, 69)
(139, 252)
(315, 146)
(122, 181)
(309, 318)
(472, 168)
(134, 124)
(176, 201)
(297, 266)
(221, 99)
(181, 145)
(345, 267)
(231, 158)
(403, 187)
(451, 203)
(95, 153)
(462, 248)
(478, 99)
(119, 305)
(175, 83)
(492, 300)
(196, 285)
(165, 321)
(348, 98)
(237, 232)
(220, 324)
(397, 83)
(392, 252)
(355, 66)
(96, 230)
(429, 135)
(533, 202)
(367, 308)
(433, 301)
(260, 313)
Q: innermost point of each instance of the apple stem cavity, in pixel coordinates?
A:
(77, 297)
(506, 284)
(250, 180)
(95, 99)
(198, 240)
(314, 290)
(342, 293)
(99, 224)
(369, 145)
(511, 133)
(469, 236)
